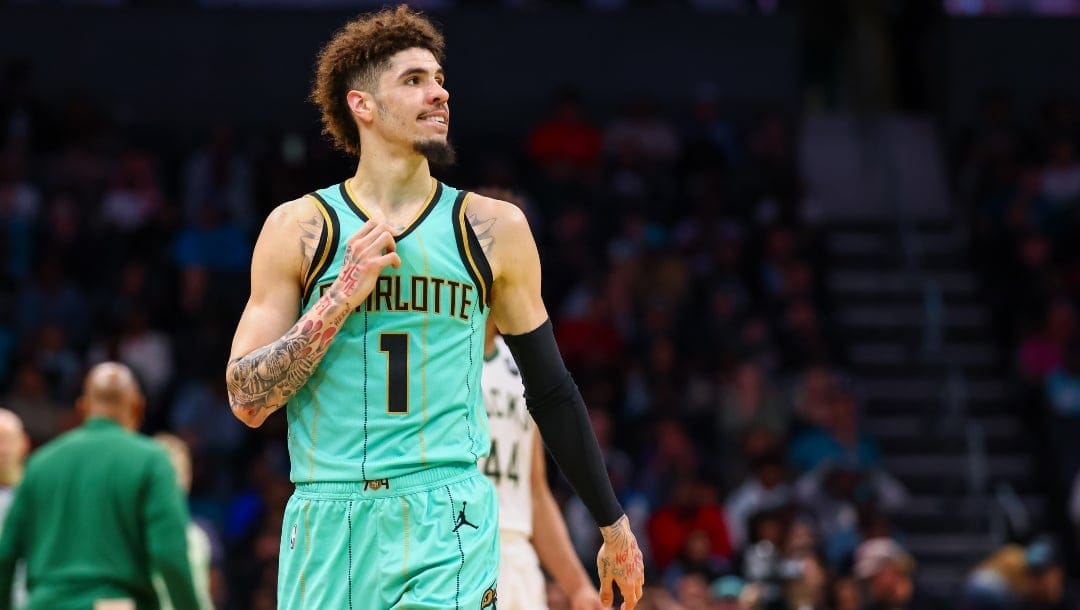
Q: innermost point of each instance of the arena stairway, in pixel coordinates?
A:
(934, 389)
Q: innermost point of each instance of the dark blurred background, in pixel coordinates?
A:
(812, 262)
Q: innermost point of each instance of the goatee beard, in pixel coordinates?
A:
(438, 154)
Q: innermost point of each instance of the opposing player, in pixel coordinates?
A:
(530, 524)
(366, 318)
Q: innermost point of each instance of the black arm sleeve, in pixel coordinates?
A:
(559, 411)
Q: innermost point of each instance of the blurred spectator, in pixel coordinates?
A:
(808, 589)
(218, 175)
(1061, 178)
(1000, 582)
(886, 570)
(58, 362)
(52, 297)
(840, 441)
(1048, 586)
(1042, 351)
(725, 593)
(30, 399)
(642, 134)
(590, 342)
(670, 461)
(136, 287)
(835, 492)
(201, 413)
(148, 351)
(20, 209)
(135, 199)
(693, 508)
(695, 560)
(766, 487)
(749, 402)
(812, 397)
(692, 591)
(563, 142)
(212, 242)
(1063, 384)
(844, 594)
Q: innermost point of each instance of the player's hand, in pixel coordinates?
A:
(620, 561)
(367, 253)
(586, 598)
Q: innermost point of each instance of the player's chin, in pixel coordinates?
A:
(438, 151)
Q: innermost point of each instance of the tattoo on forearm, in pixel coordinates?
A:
(270, 376)
(310, 232)
(482, 227)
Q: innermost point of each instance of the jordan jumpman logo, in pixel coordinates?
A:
(462, 520)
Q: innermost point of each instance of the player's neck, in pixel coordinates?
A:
(391, 183)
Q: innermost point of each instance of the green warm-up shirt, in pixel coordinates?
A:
(97, 512)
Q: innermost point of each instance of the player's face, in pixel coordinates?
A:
(412, 101)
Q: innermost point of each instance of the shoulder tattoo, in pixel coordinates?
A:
(483, 229)
(310, 232)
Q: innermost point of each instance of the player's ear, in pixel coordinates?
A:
(362, 105)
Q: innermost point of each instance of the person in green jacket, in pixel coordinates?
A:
(99, 511)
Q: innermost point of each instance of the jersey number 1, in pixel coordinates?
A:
(396, 346)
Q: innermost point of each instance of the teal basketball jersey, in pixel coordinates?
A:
(398, 390)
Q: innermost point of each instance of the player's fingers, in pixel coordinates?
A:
(373, 235)
(607, 593)
(390, 258)
(384, 242)
(631, 592)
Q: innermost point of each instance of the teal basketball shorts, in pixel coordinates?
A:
(425, 541)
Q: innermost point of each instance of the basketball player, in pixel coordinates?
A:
(527, 509)
(366, 319)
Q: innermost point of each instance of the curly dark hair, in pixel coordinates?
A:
(356, 56)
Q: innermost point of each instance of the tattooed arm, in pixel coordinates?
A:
(273, 353)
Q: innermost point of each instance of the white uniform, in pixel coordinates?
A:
(18, 587)
(509, 465)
